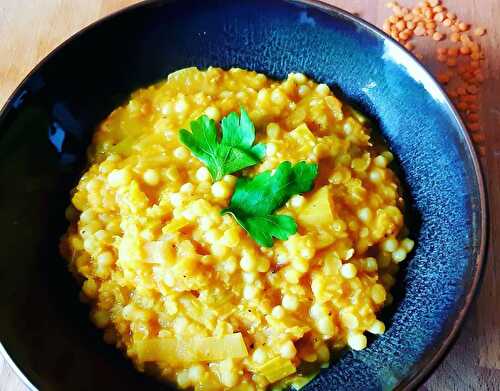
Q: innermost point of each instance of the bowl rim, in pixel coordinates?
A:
(448, 338)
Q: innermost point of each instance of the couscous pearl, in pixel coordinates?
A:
(387, 280)
(399, 255)
(307, 253)
(356, 341)
(229, 378)
(390, 245)
(248, 262)
(310, 357)
(230, 265)
(375, 176)
(212, 112)
(380, 161)
(407, 244)
(176, 199)
(90, 244)
(183, 378)
(89, 287)
(187, 188)
(325, 326)
(338, 226)
(263, 265)
(348, 270)
(388, 155)
(151, 177)
(227, 219)
(371, 264)
(273, 130)
(297, 201)
(270, 149)
(317, 311)
(105, 258)
(231, 238)
(181, 106)
(230, 179)
(288, 350)
(300, 264)
(87, 216)
(322, 89)
(377, 327)
(119, 177)
(101, 319)
(278, 312)
(323, 353)
(278, 98)
(378, 293)
(303, 90)
(262, 95)
(349, 320)
(250, 292)
(93, 185)
(292, 275)
(299, 78)
(166, 108)
(219, 250)
(365, 214)
(171, 174)
(290, 302)
(181, 153)
(347, 128)
(259, 356)
(249, 277)
(220, 190)
(195, 373)
(202, 174)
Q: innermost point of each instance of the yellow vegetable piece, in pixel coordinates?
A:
(324, 239)
(318, 210)
(79, 200)
(359, 117)
(301, 139)
(277, 369)
(173, 350)
(175, 225)
(125, 147)
(335, 107)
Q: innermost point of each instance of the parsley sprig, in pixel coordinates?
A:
(235, 150)
(255, 200)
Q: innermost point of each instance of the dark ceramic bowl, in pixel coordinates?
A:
(47, 123)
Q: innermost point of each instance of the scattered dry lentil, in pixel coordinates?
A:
(480, 31)
(463, 62)
(437, 36)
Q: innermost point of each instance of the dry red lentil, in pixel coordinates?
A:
(462, 59)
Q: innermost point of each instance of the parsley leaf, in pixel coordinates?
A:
(234, 152)
(256, 199)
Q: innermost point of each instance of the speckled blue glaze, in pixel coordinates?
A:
(46, 126)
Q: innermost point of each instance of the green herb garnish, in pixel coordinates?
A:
(255, 200)
(234, 152)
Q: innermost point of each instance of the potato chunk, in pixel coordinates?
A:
(172, 350)
(318, 211)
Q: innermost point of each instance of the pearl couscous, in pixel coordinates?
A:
(184, 291)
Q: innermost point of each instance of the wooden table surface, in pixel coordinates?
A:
(29, 29)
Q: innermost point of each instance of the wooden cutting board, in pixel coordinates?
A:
(32, 28)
